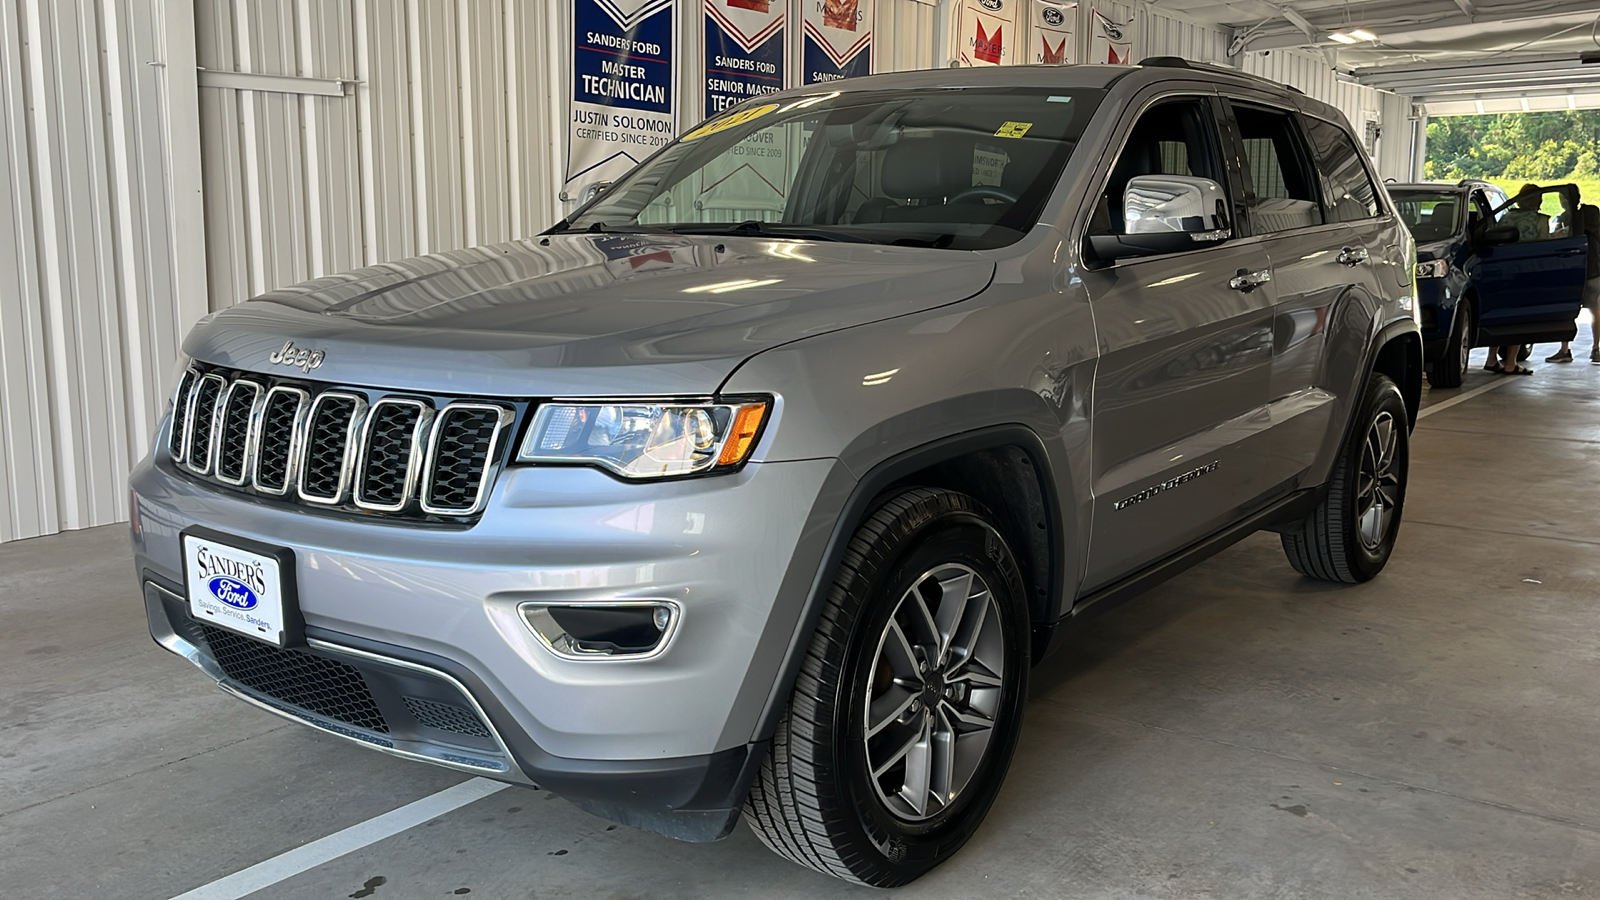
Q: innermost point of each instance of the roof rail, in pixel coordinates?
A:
(1178, 62)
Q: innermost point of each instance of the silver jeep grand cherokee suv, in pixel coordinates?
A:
(717, 501)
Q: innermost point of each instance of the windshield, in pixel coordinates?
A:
(968, 168)
(1431, 215)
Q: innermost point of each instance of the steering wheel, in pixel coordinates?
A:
(984, 192)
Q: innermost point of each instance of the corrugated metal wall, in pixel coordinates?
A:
(96, 253)
(905, 35)
(442, 139)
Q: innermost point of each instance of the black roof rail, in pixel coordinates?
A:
(1178, 62)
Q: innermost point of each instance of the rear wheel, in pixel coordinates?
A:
(1448, 370)
(909, 700)
(1352, 532)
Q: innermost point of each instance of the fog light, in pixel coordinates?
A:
(627, 629)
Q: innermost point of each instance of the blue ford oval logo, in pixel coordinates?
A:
(1113, 31)
(992, 4)
(1053, 16)
(233, 592)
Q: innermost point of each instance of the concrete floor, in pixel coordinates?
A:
(1237, 733)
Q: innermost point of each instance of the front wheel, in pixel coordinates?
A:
(909, 700)
(1351, 534)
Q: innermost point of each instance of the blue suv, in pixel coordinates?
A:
(1490, 270)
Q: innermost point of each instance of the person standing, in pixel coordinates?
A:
(1589, 219)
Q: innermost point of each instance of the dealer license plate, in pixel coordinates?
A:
(235, 589)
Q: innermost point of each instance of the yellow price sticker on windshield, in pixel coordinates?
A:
(730, 121)
(1013, 129)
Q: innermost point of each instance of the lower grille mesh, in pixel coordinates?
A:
(323, 686)
(446, 716)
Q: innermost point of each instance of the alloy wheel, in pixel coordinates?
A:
(937, 682)
(1378, 481)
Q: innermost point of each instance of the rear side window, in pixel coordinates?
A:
(1347, 189)
(1284, 194)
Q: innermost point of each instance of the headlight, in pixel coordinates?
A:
(1433, 268)
(645, 440)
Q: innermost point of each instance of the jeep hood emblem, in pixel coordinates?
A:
(299, 357)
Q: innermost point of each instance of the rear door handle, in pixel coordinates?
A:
(1247, 281)
(1351, 256)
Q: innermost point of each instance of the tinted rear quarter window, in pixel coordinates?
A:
(1347, 188)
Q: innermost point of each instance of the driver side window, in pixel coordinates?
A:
(1173, 137)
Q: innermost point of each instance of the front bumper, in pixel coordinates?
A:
(668, 743)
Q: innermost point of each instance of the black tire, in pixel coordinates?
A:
(1524, 353)
(1331, 544)
(815, 802)
(1451, 367)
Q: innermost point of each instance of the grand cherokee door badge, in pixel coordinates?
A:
(1167, 485)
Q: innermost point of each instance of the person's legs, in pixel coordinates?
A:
(1564, 355)
(1508, 361)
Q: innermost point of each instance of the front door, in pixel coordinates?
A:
(1184, 365)
(1530, 290)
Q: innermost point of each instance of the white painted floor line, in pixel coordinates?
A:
(1500, 381)
(362, 834)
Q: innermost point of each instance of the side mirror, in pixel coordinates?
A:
(1161, 204)
(1498, 235)
(1166, 214)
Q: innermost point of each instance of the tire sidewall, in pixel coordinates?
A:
(1382, 396)
(909, 849)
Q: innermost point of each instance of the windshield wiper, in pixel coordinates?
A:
(758, 228)
(565, 227)
(942, 242)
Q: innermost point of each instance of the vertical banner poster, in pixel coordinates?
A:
(744, 50)
(1111, 42)
(622, 73)
(988, 33)
(1051, 42)
(838, 39)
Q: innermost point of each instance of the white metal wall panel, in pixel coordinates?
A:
(904, 36)
(448, 135)
(92, 296)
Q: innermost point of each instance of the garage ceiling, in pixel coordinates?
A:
(1453, 56)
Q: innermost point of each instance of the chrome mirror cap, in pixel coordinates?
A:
(1166, 204)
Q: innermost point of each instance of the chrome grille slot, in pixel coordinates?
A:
(347, 449)
(461, 457)
(180, 414)
(202, 422)
(331, 432)
(236, 425)
(283, 415)
(390, 459)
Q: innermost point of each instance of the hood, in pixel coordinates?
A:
(582, 315)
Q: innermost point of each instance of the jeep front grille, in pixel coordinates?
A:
(339, 448)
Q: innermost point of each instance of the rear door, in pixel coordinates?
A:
(1530, 290)
(1181, 382)
(1323, 226)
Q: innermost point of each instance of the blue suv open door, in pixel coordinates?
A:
(1530, 272)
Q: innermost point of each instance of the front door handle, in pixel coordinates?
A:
(1247, 281)
(1352, 256)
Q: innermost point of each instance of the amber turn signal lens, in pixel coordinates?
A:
(742, 436)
